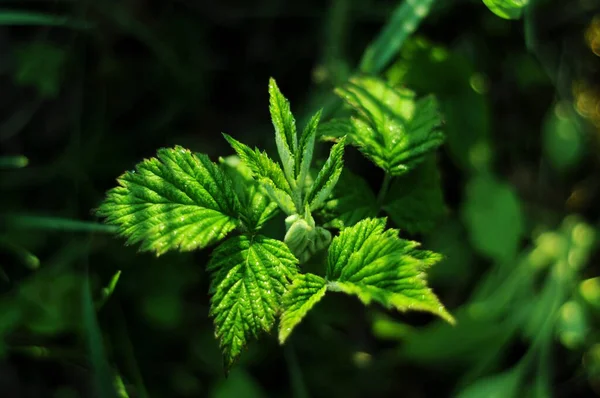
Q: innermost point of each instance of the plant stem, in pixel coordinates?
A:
(385, 186)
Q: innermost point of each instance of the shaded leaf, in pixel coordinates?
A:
(352, 200)
(415, 201)
(40, 65)
(493, 217)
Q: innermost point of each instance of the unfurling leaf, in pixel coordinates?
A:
(306, 291)
(376, 265)
(327, 177)
(285, 129)
(268, 174)
(257, 208)
(305, 150)
(177, 201)
(390, 127)
(303, 237)
(250, 275)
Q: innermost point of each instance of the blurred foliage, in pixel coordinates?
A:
(90, 88)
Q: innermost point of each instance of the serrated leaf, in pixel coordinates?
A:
(267, 173)
(250, 275)
(352, 200)
(306, 291)
(415, 201)
(257, 208)
(431, 68)
(177, 201)
(376, 265)
(390, 127)
(305, 150)
(350, 240)
(335, 129)
(328, 176)
(285, 129)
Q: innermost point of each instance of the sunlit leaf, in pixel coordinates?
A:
(177, 201)
(257, 208)
(507, 9)
(306, 291)
(390, 127)
(376, 265)
(285, 129)
(250, 274)
(268, 174)
(328, 177)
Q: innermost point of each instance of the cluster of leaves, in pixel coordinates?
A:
(183, 201)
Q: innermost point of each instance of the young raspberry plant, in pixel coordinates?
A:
(183, 201)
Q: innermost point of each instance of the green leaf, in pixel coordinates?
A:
(285, 129)
(306, 291)
(415, 201)
(493, 217)
(507, 9)
(390, 127)
(352, 200)
(376, 265)
(257, 208)
(177, 201)
(305, 151)
(250, 275)
(350, 240)
(268, 174)
(328, 176)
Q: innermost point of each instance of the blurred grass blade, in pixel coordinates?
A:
(108, 290)
(20, 18)
(21, 254)
(103, 379)
(13, 162)
(56, 223)
(404, 21)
